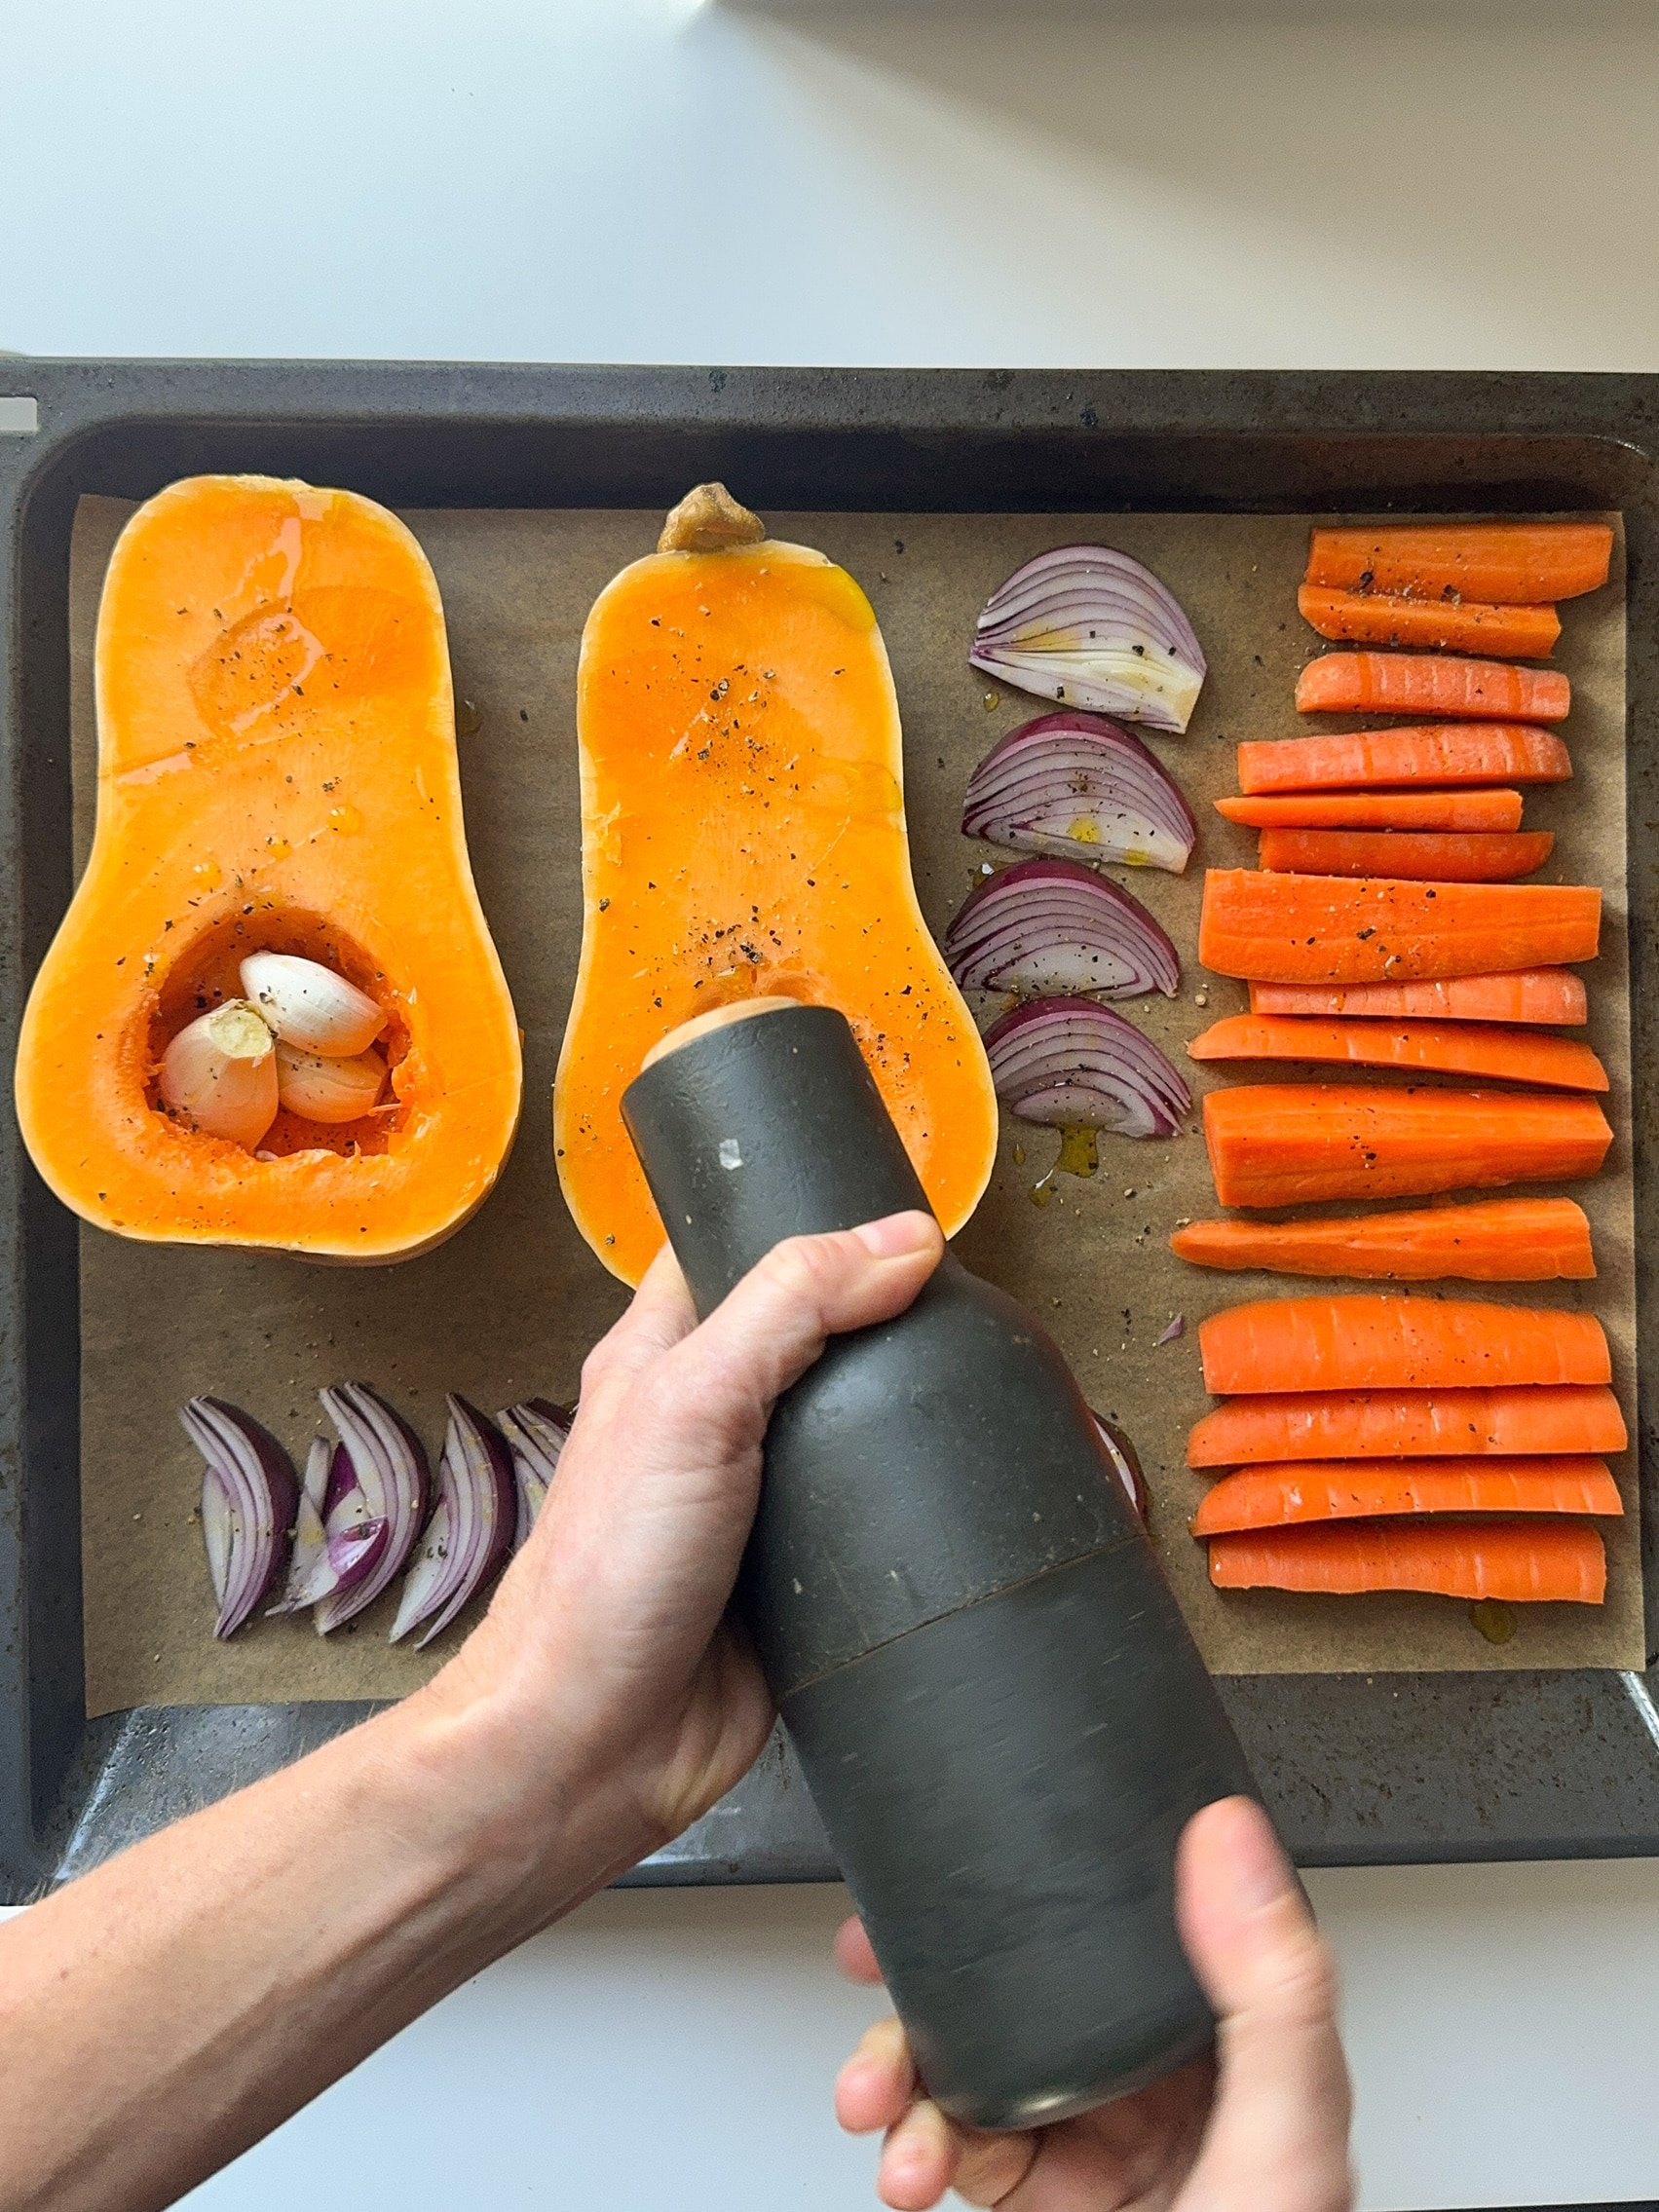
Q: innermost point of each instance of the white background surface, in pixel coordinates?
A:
(1169, 185)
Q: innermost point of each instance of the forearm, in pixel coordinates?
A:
(162, 2014)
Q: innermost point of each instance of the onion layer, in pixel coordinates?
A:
(1124, 1463)
(248, 1500)
(379, 1476)
(1071, 1063)
(1052, 926)
(1082, 786)
(472, 1528)
(1088, 626)
(535, 1434)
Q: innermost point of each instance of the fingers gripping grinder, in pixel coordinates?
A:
(1002, 1717)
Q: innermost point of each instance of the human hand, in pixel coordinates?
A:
(1262, 2124)
(605, 1684)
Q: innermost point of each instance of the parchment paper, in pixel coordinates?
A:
(508, 1306)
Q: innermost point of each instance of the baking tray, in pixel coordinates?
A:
(1357, 1769)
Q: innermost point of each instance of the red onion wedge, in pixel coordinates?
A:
(1071, 1063)
(248, 1501)
(1091, 628)
(1051, 926)
(309, 1564)
(380, 1477)
(1084, 787)
(535, 1434)
(1124, 1463)
(472, 1528)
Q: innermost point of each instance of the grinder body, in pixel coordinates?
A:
(997, 1707)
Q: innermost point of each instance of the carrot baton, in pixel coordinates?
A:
(1432, 856)
(1450, 1048)
(1525, 1563)
(1526, 994)
(1429, 685)
(1408, 1424)
(1495, 1240)
(1456, 625)
(1366, 1341)
(1376, 809)
(1347, 1489)
(1303, 1144)
(1510, 563)
(1272, 928)
(1417, 753)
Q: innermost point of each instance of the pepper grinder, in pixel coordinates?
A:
(1000, 1713)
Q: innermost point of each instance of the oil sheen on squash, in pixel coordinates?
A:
(743, 833)
(277, 771)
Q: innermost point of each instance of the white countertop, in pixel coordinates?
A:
(1171, 184)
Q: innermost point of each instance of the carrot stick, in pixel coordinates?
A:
(1468, 625)
(1524, 1562)
(1368, 1340)
(1346, 1489)
(1381, 929)
(1526, 994)
(1406, 683)
(1433, 856)
(1416, 753)
(1377, 809)
(1405, 1424)
(1451, 1048)
(1301, 1143)
(1513, 563)
(1495, 1240)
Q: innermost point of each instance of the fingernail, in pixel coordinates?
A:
(1261, 1873)
(898, 1235)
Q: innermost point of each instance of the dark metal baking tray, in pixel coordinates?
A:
(1358, 1768)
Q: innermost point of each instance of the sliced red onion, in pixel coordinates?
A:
(382, 1481)
(1092, 627)
(535, 1434)
(1071, 1063)
(248, 1501)
(1084, 787)
(472, 1528)
(1053, 926)
(310, 1561)
(1177, 1328)
(1124, 1463)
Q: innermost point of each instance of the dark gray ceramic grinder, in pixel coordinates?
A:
(1000, 1713)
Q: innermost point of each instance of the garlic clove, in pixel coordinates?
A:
(325, 1089)
(310, 1006)
(221, 1073)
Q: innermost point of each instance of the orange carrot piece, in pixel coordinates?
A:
(1408, 1424)
(1352, 1490)
(1431, 857)
(1377, 809)
(1382, 930)
(1510, 563)
(1469, 626)
(1407, 683)
(1368, 1340)
(1525, 1563)
(1303, 1144)
(1417, 753)
(1526, 994)
(1450, 1048)
(1495, 1240)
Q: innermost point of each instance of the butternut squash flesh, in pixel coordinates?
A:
(276, 771)
(743, 835)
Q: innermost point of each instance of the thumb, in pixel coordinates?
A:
(726, 1375)
(1278, 2133)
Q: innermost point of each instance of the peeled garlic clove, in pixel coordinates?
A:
(328, 1090)
(310, 1006)
(222, 1073)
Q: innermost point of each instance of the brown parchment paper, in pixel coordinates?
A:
(511, 1304)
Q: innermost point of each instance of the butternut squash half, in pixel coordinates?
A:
(276, 771)
(742, 835)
